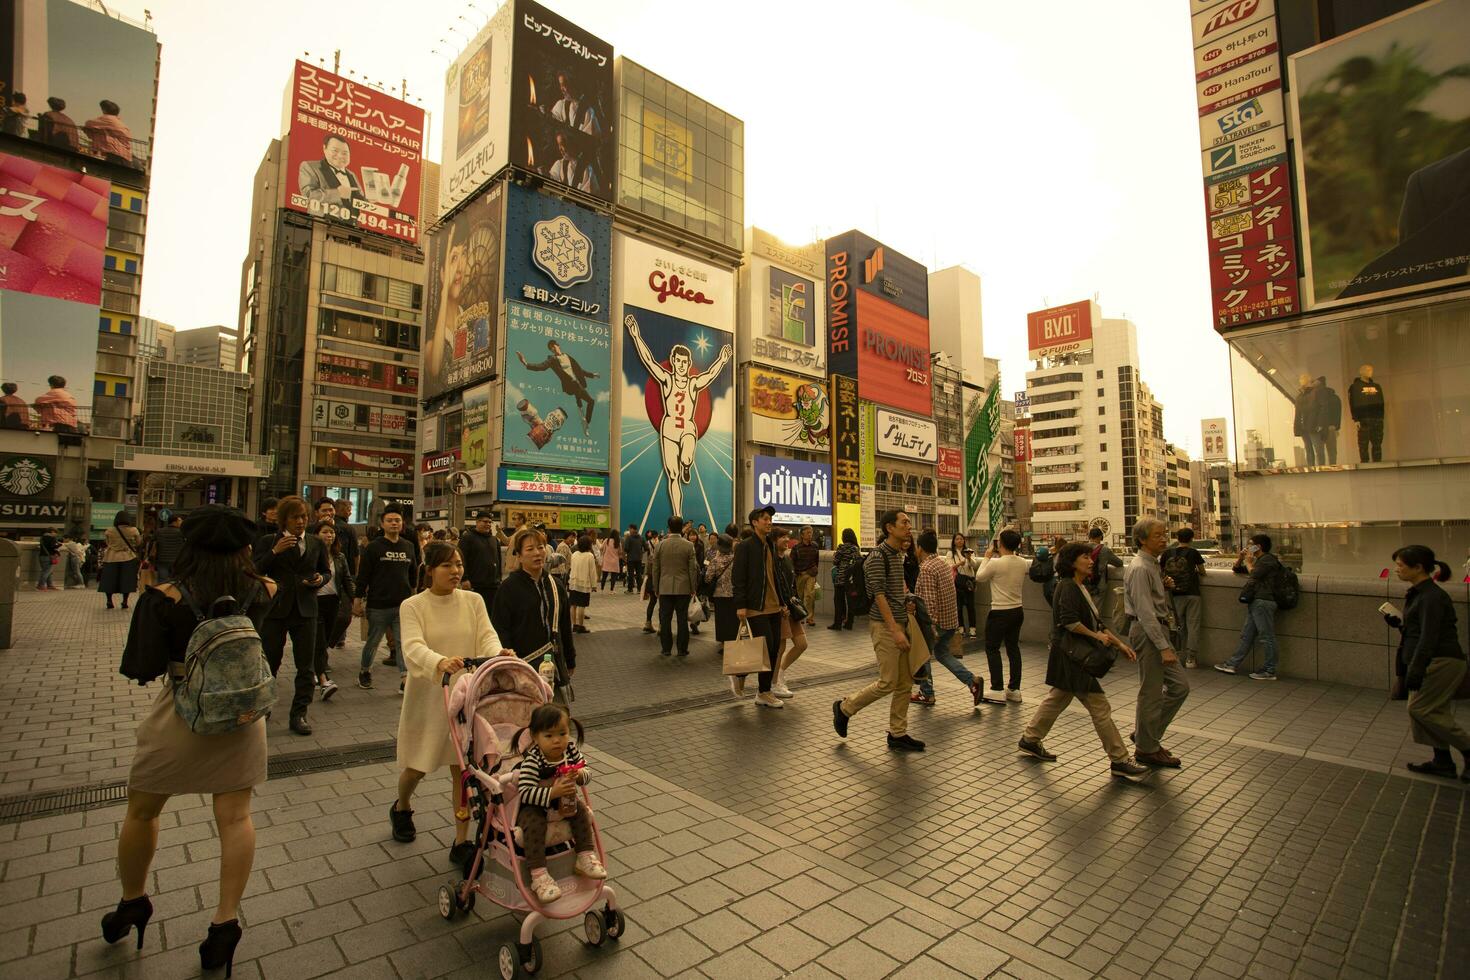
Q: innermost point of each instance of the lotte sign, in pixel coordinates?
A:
(1060, 330)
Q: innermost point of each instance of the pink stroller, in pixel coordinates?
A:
(486, 708)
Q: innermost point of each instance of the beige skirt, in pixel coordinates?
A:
(171, 760)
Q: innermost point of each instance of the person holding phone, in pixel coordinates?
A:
(1259, 595)
(298, 563)
(964, 561)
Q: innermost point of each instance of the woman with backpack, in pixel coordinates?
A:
(124, 551)
(847, 556)
(171, 758)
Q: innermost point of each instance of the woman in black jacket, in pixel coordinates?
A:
(1074, 611)
(842, 560)
(1430, 660)
(329, 603)
(531, 606)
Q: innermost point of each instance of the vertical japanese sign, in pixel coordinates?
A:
(556, 389)
(476, 118)
(978, 441)
(846, 484)
(1250, 228)
(475, 436)
(355, 154)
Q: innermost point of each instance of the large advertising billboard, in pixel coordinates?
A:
(905, 437)
(557, 255)
(845, 474)
(1060, 330)
(550, 486)
(788, 411)
(88, 77)
(380, 463)
(557, 392)
(462, 309)
(53, 229)
(355, 156)
(800, 491)
(870, 266)
(678, 421)
(43, 340)
(893, 356)
(1383, 154)
(675, 284)
(563, 103)
(474, 437)
(475, 121)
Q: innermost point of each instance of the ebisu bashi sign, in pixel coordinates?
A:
(1060, 330)
(800, 491)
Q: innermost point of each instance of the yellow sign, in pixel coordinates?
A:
(565, 518)
(788, 411)
(668, 147)
(582, 520)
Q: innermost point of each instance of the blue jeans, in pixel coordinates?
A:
(379, 622)
(942, 654)
(43, 570)
(1260, 621)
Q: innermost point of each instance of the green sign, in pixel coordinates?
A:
(103, 515)
(582, 520)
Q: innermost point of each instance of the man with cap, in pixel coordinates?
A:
(480, 548)
(758, 599)
(674, 573)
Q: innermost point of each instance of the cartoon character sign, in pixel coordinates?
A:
(678, 432)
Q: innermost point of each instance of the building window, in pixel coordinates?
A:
(1102, 410)
(1107, 505)
(1099, 375)
(1102, 392)
(1102, 447)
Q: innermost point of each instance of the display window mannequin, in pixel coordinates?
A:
(1365, 403)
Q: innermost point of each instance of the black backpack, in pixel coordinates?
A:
(1042, 569)
(858, 600)
(1288, 589)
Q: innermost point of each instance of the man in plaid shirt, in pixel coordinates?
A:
(936, 587)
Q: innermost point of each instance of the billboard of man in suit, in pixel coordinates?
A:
(330, 182)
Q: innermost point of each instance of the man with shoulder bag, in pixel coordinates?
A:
(759, 600)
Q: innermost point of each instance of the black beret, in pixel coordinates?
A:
(218, 529)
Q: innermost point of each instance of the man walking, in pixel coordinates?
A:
(674, 573)
(936, 588)
(1259, 596)
(1162, 686)
(1102, 559)
(1181, 565)
(1006, 572)
(298, 563)
(758, 600)
(805, 558)
(888, 628)
(480, 548)
(168, 541)
(633, 555)
(389, 565)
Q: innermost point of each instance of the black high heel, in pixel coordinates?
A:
(218, 948)
(130, 913)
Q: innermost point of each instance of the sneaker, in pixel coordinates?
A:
(648, 628)
(1035, 749)
(1226, 669)
(1191, 663)
(1014, 697)
(737, 685)
(400, 688)
(839, 719)
(920, 699)
(402, 823)
(588, 866)
(780, 689)
(1129, 770)
(365, 680)
(543, 887)
(977, 692)
(905, 743)
(461, 854)
(766, 699)
(994, 695)
(1263, 675)
(328, 689)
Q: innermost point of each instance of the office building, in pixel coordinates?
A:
(215, 347)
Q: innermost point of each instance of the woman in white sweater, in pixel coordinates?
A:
(582, 583)
(439, 628)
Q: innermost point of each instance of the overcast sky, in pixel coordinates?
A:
(1051, 147)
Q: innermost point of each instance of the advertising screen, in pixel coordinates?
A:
(339, 369)
(476, 120)
(564, 105)
(788, 411)
(557, 391)
(53, 229)
(800, 491)
(557, 254)
(675, 284)
(893, 356)
(1216, 445)
(474, 438)
(335, 461)
(1383, 156)
(678, 421)
(42, 339)
(355, 155)
(463, 302)
(906, 437)
(551, 486)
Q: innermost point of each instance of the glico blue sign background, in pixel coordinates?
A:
(800, 491)
(557, 255)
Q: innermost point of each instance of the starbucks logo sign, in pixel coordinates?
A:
(24, 476)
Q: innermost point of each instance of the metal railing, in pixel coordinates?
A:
(37, 420)
(75, 139)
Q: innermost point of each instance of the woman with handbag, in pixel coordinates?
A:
(1080, 641)
(120, 560)
(582, 582)
(843, 558)
(793, 628)
(1430, 662)
(721, 564)
(964, 561)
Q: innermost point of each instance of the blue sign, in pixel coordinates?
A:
(557, 394)
(557, 254)
(549, 487)
(800, 491)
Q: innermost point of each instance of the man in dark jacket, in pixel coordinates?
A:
(168, 541)
(1259, 595)
(298, 564)
(1365, 402)
(389, 569)
(758, 599)
(633, 555)
(480, 548)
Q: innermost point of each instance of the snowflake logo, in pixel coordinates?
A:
(561, 251)
(24, 477)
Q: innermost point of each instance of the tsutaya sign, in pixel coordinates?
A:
(800, 491)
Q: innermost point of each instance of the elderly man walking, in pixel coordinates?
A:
(1162, 684)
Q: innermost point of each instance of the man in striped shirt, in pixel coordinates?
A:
(888, 627)
(936, 588)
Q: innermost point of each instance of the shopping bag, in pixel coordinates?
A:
(746, 654)
(918, 649)
(697, 614)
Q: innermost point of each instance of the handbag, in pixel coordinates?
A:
(746, 654)
(918, 647)
(1094, 658)
(697, 613)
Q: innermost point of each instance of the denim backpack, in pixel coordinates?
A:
(227, 682)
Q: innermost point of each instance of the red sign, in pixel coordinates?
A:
(1023, 445)
(360, 373)
(439, 462)
(355, 154)
(951, 464)
(1252, 247)
(53, 227)
(893, 356)
(379, 461)
(1059, 330)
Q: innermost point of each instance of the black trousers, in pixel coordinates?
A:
(273, 633)
(337, 627)
(1004, 625)
(326, 618)
(843, 612)
(488, 594)
(768, 627)
(635, 575)
(670, 606)
(964, 597)
(1370, 440)
(648, 613)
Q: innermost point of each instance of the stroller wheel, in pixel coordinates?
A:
(509, 963)
(447, 903)
(596, 927)
(530, 955)
(468, 905)
(614, 922)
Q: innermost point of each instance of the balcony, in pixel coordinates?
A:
(29, 418)
(130, 154)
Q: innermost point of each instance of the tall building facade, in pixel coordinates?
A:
(214, 347)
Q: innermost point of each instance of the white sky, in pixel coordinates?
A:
(1051, 147)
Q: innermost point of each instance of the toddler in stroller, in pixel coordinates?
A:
(523, 775)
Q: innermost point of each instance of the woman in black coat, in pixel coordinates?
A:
(1073, 610)
(1430, 660)
(531, 606)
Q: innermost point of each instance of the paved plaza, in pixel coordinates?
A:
(750, 843)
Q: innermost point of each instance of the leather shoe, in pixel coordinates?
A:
(1159, 759)
(299, 725)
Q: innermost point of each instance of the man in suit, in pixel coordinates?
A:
(298, 563)
(328, 181)
(674, 573)
(572, 376)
